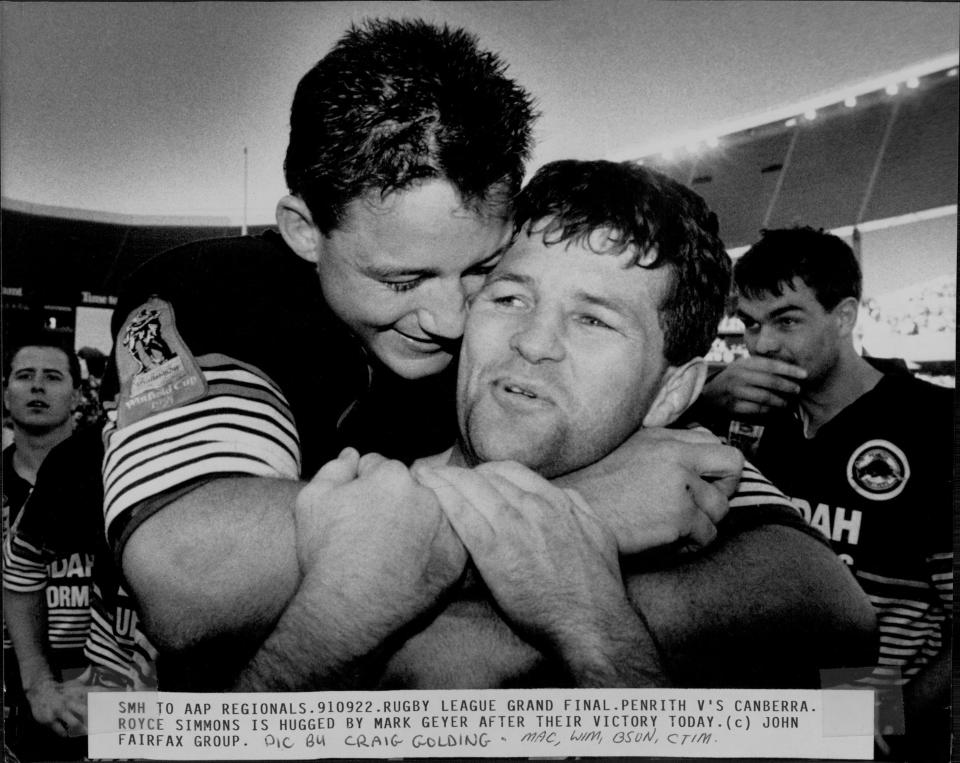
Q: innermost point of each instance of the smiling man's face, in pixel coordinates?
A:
(399, 270)
(562, 356)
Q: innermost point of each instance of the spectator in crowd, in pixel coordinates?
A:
(592, 325)
(866, 454)
(41, 378)
(90, 410)
(239, 370)
(73, 627)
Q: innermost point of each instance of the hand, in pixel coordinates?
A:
(549, 562)
(752, 387)
(61, 707)
(376, 542)
(661, 486)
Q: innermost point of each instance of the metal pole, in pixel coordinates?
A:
(868, 193)
(780, 177)
(243, 228)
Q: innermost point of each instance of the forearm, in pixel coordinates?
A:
(619, 652)
(767, 607)
(25, 615)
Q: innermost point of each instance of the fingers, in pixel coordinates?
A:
(369, 462)
(460, 498)
(517, 474)
(708, 499)
(331, 475)
(713, 461)
(773, 366)
(702, 532)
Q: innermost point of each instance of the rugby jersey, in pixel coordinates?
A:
(60, 529)
(877, 481)
(227, 361)
(51, 545)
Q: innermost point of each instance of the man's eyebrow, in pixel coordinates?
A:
(617, 305)
(519, 278)
(386, 271)
(776, 313)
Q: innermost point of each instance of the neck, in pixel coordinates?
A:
(850, 378)
(32, 448)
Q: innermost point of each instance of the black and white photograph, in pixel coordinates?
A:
(479, 379)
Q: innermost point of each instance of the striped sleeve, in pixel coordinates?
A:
(24, 565)
(757, 490)
(243, 425)
(117, 647)
(941, 575)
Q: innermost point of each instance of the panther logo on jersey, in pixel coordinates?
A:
(144, 341)
(878, 470)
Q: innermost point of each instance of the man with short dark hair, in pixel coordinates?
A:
(41, 390)
(592, 326)
(866, 455)
(245, 364)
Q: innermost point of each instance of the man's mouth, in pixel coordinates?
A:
(523, 390)
(514, 389)
(38, 405)
(425, 344)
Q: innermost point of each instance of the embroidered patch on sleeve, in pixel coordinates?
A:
(156, 370)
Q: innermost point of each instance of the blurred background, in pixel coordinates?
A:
(128, 128)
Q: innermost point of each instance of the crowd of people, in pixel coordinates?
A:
(438, 430)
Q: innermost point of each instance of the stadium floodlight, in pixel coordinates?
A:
(792, 122)
(850, 101)
(810, 114)
(913, 83)
(713, 141)
(893, 88)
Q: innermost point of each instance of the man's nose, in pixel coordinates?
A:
(538, 339)
(444, 310)
(766, 342)
(37, 383)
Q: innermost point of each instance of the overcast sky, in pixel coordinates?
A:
(144, 108)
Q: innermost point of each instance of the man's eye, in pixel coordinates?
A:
(593, 322)
(787, 322)
(507, 300)
(401, 286)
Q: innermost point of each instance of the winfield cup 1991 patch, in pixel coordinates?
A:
(878, 470)
(157, 371)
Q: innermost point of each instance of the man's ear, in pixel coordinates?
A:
(846, 314)
(678, 390)
(298, 229)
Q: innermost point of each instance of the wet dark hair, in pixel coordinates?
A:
(42, 340)
(400, 101)
(824, 262)
(664, 222)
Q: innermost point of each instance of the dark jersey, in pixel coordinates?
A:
(877, 481)
(229, 362)
(60, 532)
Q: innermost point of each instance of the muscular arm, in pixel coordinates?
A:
(60, 708)
(259, 584)
(213, 571)
(769, 606)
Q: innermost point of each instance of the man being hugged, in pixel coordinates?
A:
(591, 327)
